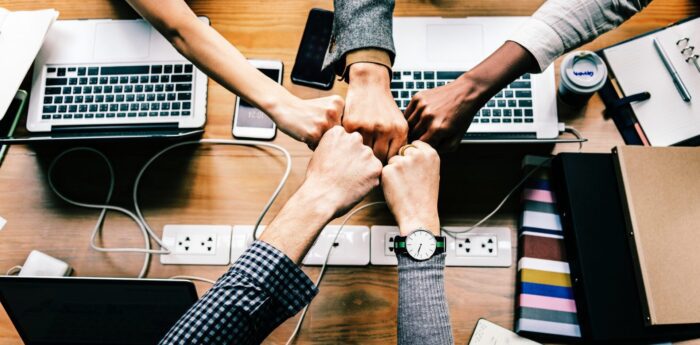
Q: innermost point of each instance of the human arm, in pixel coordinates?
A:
(362, 51)
(441, 116)
(265, 286)
(304, 120)
(411, 185)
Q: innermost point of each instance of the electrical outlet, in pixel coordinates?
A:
(196, 244)
(484, 246)
(241, 239)
(351, 248)
(477, 246)
(382, 245)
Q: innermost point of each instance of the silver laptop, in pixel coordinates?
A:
(92, 75)
(431, 52)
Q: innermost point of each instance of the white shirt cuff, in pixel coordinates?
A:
(540, 40)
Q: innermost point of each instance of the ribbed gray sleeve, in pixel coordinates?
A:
(423, 314)
(360, 24)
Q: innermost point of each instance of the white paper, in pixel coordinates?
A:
(665, 118)
(21, 36)
(489, 333)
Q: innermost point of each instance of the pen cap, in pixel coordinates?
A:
(582, 74)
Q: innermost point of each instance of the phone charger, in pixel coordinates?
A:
(39, 264)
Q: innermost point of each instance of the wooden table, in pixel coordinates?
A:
(228, 185)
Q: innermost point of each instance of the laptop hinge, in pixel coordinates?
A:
(116, 128)
(500, 136)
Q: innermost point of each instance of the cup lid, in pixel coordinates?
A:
(584, 71)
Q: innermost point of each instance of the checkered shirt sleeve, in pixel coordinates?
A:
(260, 291)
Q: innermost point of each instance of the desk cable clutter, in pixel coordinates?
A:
(138, 217)
(149, 234)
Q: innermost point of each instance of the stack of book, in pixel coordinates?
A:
(629, 222)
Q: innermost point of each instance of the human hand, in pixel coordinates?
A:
(370, 109)
(342, 170)
(411, 183)
(442, 115)
(307, 120)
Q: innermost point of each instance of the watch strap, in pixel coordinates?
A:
(400, 244)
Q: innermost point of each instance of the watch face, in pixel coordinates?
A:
(421, 244)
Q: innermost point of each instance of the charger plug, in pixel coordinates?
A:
(39, 264)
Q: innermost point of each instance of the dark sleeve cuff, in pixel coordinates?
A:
(360, 24)
(275, 273)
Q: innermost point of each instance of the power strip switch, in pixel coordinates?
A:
(350, 249)
(480, 247)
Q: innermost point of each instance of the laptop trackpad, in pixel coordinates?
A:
(463, 43)
(117, 42)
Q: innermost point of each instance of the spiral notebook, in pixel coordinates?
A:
(665, 118)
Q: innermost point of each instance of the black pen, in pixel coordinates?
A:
(685, 95)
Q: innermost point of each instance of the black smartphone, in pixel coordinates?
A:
(312, 50)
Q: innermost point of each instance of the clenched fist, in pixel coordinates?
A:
(342, 170)
(308, 120)
(411, 183)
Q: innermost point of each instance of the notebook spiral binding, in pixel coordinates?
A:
(686, 49)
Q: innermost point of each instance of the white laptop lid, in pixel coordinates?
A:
(104, 42)
(449, 43)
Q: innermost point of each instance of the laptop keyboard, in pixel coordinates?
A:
(512, 105)
(75, 93)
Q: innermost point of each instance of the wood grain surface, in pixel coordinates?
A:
(229, 185)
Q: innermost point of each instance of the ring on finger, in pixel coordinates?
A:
(403, 149)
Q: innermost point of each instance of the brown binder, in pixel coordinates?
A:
(660, 187)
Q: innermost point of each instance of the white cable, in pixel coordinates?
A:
(216, 142)
(569, 129)
(577, 134)
(138, 218)
(193, 278)
(325, 263)
(498, 208)
(104, 207)
(14, 270)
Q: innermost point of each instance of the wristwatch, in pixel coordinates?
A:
(420, 245)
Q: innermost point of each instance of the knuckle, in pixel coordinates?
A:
(356, 137)
(338, 101)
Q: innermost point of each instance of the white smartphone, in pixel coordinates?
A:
(250, 122)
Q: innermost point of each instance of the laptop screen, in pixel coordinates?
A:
(93, 310)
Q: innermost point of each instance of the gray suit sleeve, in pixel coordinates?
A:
(360, 24)
(423, 314)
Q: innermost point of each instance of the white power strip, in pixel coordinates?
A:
(355, 246)
(197, 244)
(352, 247)
(480, 247)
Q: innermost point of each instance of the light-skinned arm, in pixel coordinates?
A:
(304, 120)
(264, 287)
(341, 172)
(411, 185)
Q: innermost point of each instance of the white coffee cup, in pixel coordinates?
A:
(582, 73)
